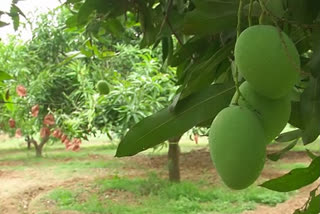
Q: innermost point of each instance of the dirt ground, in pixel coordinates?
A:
(19, 188)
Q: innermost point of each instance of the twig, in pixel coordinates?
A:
(239, 18)
(236, 75)
(175, 34)
(166, 16)
(166, 20)
(250, 13)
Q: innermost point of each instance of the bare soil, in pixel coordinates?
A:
(20, 188)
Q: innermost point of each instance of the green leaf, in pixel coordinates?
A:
(147, 26)
(275, 7)
(14, 13)
(194, 45)
(86, 9)
(277, 155)
(215, 20)
(289, 136)
(167, 48)
(202, 74)
(165, 124)
(115, 27)
(296, 117)
(2, 24)
(72, 21)
(110, 8)
(295, 179)
(8, 102)
(4, 76)
(310, 110)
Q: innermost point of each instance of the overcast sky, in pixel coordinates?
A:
(29, 8)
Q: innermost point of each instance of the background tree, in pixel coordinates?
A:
(61, 78)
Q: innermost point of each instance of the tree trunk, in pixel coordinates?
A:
(39, 147)
(173, 159)
(29, 141)
(38, 151)
(29, 144)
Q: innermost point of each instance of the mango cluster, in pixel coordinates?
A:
(269, 61)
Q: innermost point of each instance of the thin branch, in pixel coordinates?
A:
(236, 75)
(250, 13)
(166, 16)
(175, 34)
(239, 18)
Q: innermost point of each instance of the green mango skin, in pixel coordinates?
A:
(268, 60)
(103, 87)
(237, 146)
(274, 113)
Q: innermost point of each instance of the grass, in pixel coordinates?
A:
(156, 195)
(120, 194)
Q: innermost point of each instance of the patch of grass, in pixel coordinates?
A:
(152, 195)
(92, 205)
(63, 197)
(138, 186)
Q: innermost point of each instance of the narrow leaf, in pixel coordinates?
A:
(165, 124)
(203, 74)
(296, 178)
(277, 155)
(310, 110)
(198, 21)
(2, 24)
(296, 116)
(289, 136)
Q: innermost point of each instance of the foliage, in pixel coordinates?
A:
(60, 69)
(135, 93)
(203, 55)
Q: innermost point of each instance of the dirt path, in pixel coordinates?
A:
(20, 187)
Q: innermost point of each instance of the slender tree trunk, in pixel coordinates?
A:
(39, 147)
(28, 140)
(173, 159)
(38, 151)
(29, 144)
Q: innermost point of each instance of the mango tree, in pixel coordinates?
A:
(36, 91)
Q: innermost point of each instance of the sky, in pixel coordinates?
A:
(30, 8)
